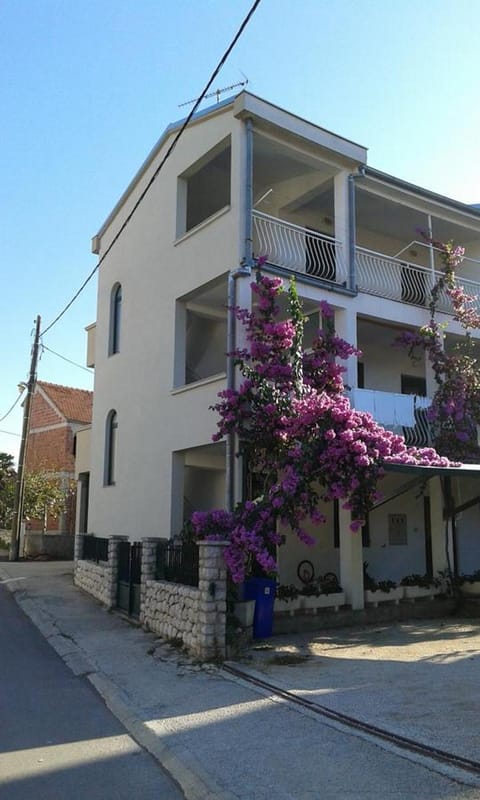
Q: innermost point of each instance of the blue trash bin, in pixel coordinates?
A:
(262, 590)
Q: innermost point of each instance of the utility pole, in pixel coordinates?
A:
(20, 484)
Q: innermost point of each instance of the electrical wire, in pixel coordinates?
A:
(10, 433)
(64, 358)
(160, 166)
(11, 407)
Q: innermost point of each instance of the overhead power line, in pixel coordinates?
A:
(160, 166)
(10, 433)
(64, 358)
(11, 407)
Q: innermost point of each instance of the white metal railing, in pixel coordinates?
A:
(403, 413)
(299, 249)
(305, 251)
(396, 279)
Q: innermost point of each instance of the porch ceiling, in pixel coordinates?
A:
(399, 221)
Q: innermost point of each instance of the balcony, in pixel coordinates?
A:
(396, 279)
(299, 249)
(304, 251)
(405, 414)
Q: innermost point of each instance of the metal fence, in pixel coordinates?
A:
(299, 249)
(95, 549)
(177, 562)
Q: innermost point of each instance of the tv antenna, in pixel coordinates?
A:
(216, 93)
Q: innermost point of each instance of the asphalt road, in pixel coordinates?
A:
(57, 738)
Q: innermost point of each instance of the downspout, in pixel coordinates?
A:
(244, 270)
(431, 253)
(352, 272)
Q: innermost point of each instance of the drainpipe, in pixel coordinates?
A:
(431, 252)
(244, 270)
(352, 274)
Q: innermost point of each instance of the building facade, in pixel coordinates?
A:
(248, 179)
(57, 413)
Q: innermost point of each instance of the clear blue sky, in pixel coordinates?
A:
(87, 87)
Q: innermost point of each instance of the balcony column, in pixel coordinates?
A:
(439, 555)
(346, 328)
(351, 561)
(342, 226)
(431, 383)
(177, 493)
(234, 477)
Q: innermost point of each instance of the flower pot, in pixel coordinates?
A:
(470, 587)
(244, 611)
(286, 606)
(374, 598)
(313, 603)
(413, 593)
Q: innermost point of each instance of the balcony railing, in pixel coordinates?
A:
(299, 249)
(402, 413)
(310, 253)
(396, 279)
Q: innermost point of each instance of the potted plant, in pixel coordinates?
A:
(325, 592)
(287, 599)
(470, 584)
(417, 586)
(376, 592)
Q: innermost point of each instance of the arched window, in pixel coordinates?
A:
(115, 319)
(111, 433)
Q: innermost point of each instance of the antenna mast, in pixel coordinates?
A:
(216, 93)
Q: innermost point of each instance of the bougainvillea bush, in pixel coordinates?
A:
(297, 432)
(455, 410)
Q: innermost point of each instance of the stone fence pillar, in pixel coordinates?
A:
(111, 570)
(148, 568)
(78, 547)
(212, 605)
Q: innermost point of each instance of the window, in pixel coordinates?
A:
(360, 375)
(115, 319)
(397, 529)
(204, 188)
(111, 433)
(414, 384)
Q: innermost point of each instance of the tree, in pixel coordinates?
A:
(455, 411)
(298, 431)
(45, 496)
(7, 489)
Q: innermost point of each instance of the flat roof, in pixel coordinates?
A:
(470, 470)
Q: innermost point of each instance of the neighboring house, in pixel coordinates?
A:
(248, 179)
(57, 413)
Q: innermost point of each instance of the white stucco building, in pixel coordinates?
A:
(247, 178)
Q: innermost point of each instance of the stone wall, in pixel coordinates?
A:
(53, 545)
(171, 610)
(94, 579)
(99, 580)
(196, 616)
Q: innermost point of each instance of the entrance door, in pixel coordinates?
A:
(129, 577)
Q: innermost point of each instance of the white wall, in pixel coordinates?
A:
(154, 270)
(384, 364)
(323, 555)
(393, 562)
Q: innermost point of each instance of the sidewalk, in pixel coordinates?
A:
(223, 739)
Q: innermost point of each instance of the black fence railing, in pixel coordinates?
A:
(177, 562)
(95, 549)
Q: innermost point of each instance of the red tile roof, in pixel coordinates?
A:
(74, 404)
